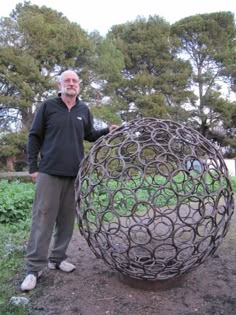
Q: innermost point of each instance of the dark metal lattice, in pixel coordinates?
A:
(154, 199)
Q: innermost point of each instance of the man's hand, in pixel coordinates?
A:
(34, 176)
(113, 127)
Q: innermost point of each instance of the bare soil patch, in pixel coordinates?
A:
(94, 289)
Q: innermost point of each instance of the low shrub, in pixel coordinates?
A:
(16, 200)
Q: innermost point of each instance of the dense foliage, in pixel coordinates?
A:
(208, 41)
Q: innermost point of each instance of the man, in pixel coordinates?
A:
(57, 133)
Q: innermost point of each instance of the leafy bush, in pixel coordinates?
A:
(16, 200)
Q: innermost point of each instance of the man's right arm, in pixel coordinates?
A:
(35, 139)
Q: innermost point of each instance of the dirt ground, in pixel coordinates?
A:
(94, 289)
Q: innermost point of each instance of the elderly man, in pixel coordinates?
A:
(59, 128)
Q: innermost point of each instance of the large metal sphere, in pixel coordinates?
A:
(154, 199)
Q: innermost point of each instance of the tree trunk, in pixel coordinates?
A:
(10, 163)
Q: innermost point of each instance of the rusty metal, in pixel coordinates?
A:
(154, 199)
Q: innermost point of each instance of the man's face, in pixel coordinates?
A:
(69, 84)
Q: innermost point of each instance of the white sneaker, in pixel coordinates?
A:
(63, 266)
(30, 281)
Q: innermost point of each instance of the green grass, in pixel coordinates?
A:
(11, 265)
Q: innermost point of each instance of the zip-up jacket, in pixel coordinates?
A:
(57, 133)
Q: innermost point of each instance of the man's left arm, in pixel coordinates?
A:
(92, 134)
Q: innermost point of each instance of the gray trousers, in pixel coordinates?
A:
(53, 212)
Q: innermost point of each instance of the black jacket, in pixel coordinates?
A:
(57, 134)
